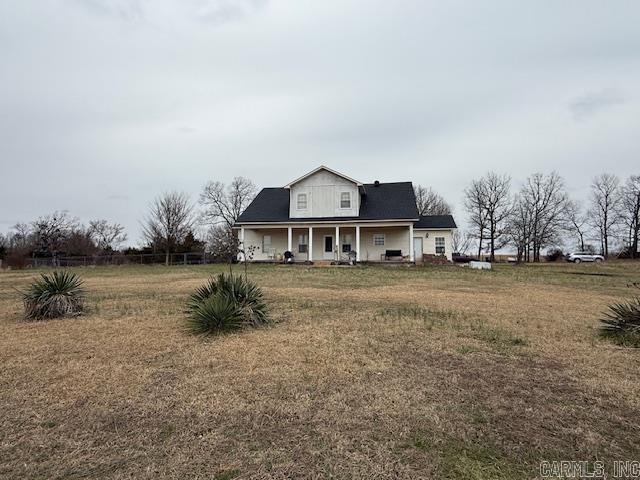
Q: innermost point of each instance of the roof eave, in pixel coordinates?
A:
(316, 170)
(318, 220)
(435, 228)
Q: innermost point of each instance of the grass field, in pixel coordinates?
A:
(434, 372)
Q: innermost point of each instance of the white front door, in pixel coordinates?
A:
(327, 247)
(417, 249)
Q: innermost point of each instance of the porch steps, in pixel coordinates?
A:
(322, 263)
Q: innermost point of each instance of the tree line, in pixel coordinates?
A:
(173, 224)
(539, 216)
(172, 217)
(59, 233)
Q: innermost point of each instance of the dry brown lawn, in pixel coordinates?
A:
(435, 372)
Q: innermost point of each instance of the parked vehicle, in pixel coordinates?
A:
(580, 257)
(460, 258)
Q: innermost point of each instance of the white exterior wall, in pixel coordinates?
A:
(429, 242)
(396, 238)
(278, 241)
(295, 243)
(323, 191)
(318, 240)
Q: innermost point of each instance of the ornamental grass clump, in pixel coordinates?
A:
(225, 303)
(59, 294)
(621, 322)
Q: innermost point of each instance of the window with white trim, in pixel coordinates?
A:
(302, 201)
(345, 241)
(266, 243)
(345, 200)
(378, 239)
(439, 245)
(303, 243)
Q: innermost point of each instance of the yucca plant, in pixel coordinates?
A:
(226, 302)
(218, 313)
(621, 322)
(58, 294)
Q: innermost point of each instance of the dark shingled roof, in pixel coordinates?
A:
(387, 201)
(435, 221)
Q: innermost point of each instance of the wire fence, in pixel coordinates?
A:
(191, 258)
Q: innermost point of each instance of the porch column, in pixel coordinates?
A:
(357, 243)
(289, 238)
(242, 257)
(411, 252)
(310, 245)
(337, 242)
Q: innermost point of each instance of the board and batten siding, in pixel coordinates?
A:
(323, 190)
(429, 242)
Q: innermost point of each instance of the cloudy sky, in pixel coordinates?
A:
(106, 103)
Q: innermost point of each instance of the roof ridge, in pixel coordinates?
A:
(389, 183)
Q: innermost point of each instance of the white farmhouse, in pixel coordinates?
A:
(327, 216)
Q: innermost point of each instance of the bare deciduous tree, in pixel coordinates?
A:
(429, 202)
(498, 207)
(169, 221)
(576, 223)
(545, 198)
(605, 208)
(474, 205)
(224, 204)
(107, 236)
(519, 228)
(78, 242)
(50, 231)
(460, 241)
(488, 202)
(631, 212)
(4, 246)
(22, 235)
(222, 243)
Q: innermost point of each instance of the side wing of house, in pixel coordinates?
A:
(433, 236)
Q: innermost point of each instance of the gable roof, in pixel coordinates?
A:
(435, 221)
(386, 201)
(316, 170)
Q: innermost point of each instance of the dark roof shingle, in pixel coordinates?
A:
(435, 221)
(386, 201)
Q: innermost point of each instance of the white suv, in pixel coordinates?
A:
(579, 257)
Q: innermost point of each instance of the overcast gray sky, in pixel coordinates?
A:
(106, 103)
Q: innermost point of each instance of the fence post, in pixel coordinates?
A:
(185, 258)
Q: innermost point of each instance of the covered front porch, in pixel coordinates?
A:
(360, 242)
